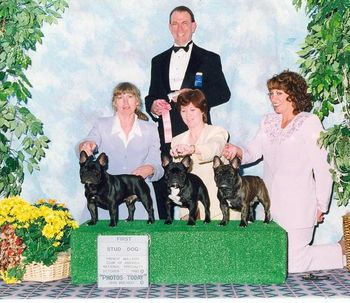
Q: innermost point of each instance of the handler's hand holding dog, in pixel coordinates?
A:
(88, 147)
(182, 150)
(230, 151)
(144, 171)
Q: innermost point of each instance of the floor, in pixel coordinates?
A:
(336, 284)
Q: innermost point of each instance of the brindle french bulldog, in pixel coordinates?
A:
(109, 191)
(240, 193)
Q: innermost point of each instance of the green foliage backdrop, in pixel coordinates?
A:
(325, 61)
(22, 140)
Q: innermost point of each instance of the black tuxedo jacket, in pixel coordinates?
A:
(214, 86)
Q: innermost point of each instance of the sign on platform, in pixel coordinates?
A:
(122, 261)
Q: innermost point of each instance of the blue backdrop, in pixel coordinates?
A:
(100, 43)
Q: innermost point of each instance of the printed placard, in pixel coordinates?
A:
(122, 261)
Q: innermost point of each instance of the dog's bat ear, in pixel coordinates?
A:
(166, 159)
(236, 163)
(83, 157)
(216, 162)
(103, 160)
(186, 161)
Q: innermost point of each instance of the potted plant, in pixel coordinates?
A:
(33, 237)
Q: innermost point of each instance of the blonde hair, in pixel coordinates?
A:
(127, 87)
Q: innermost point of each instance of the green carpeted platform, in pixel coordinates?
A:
(181, 254)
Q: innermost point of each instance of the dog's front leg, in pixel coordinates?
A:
(244, 214)
(92, 207)
(225, 213)
(192, 213)
(168, 220)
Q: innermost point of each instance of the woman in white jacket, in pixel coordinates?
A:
(202, 142)
(296, 171)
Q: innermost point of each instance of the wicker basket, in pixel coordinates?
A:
(346, 229)
(42, 273)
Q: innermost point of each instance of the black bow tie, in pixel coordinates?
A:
(185, 48)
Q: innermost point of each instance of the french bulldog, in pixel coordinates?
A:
(184, 189)
(240, 193)
(109, 191)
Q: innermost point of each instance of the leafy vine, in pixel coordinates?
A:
(22, 139)
(325, 63)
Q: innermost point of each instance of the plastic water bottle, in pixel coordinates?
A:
(198, 80)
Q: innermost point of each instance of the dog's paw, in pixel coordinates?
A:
(191, 222)
(207, 221)
(112, 224)
(243, 224)
(150, 221)
(92, 223)
(168, 222)
(223, 223)
(266, 221)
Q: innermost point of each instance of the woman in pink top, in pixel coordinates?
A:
(296, 171)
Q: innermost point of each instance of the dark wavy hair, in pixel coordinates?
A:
(197, 98)
(294, 85)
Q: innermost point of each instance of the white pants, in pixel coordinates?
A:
(304, 257)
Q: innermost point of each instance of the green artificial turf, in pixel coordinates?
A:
(181, 254)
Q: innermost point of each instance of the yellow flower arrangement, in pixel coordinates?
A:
(31, 233)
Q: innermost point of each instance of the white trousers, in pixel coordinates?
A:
(304, 257)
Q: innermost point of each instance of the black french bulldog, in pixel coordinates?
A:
(240, 193)
(109, 191)
(184, 189)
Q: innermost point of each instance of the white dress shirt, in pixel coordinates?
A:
(178, 66)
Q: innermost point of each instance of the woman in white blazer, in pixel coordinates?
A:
(202, 142)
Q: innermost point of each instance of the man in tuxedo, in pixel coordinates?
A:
(175, 70)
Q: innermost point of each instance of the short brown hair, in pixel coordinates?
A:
(197, 98)
(182, 8)
(294, 85)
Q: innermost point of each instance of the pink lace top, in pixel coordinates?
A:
(276, 134)
(296, 171)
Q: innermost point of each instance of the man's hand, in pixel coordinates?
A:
(159, 106)
(177, 93)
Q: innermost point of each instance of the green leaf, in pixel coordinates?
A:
(24, 111)
(36, 128)
(2, 76)
(30, 168)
